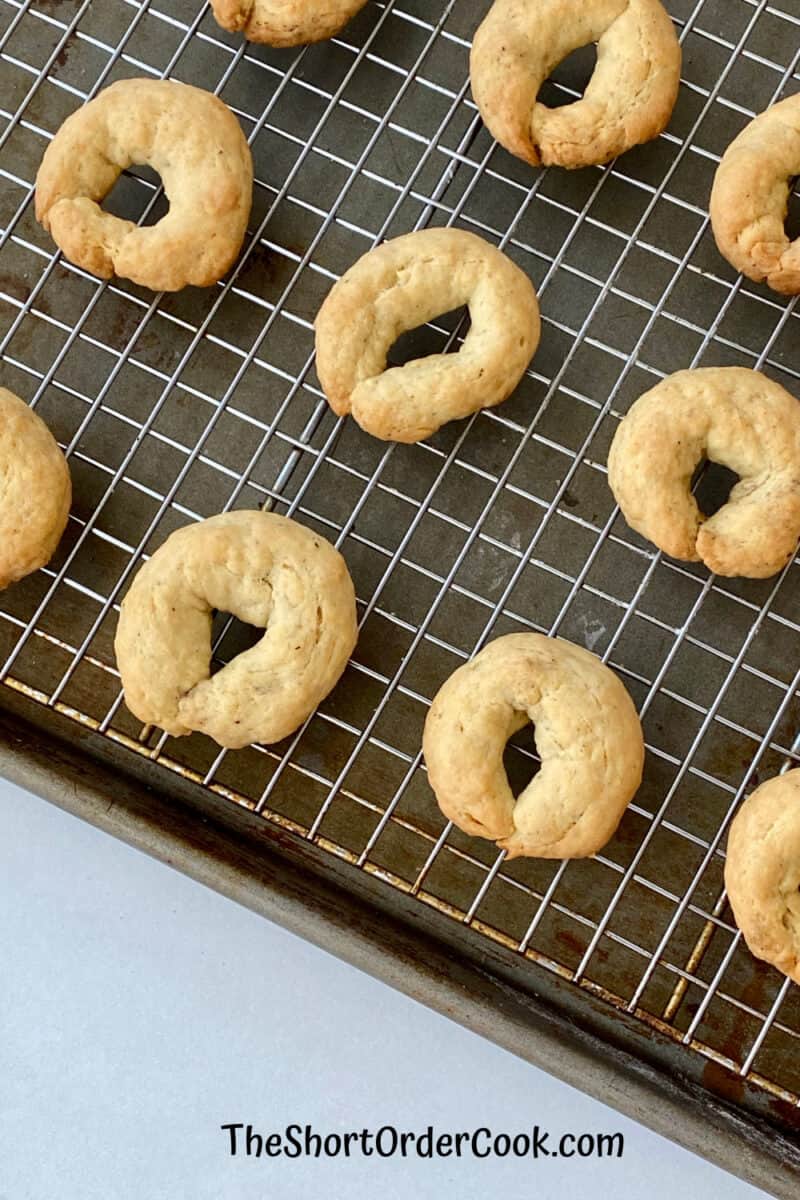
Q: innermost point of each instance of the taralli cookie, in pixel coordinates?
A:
(35, 490)
(405, 283)
(731, 416)
(628, 100)
(750, 198)
(762, 872)
(266, 570)
(285, 22)
(194, 142)
(587, 734)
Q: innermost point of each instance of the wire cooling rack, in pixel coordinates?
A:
(172, 408)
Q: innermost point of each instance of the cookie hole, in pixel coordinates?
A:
(133, 192)
(569, 80)
(229, 637)
(711, 484)
(431, 338)
(793, 212)
(520, 760)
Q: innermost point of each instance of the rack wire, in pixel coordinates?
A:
(172, 408)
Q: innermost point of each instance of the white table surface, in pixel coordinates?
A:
(140, 1011)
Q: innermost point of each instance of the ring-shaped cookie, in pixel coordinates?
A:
(285, 22)
(587, 733)
(268, 571)
(762, 872)
(750, 198)
(405, 283)
(728, 415)
(196, 145)
(35, 490)
(628, 100)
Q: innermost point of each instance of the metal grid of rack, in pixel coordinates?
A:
(172, 408)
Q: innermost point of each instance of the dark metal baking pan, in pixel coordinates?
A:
(624, 973)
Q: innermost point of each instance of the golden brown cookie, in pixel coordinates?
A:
(196, 145)
(285, 22)
(762, 872)
(587, 734)
(269, 572)
(629, 98)
(35, 490)
(750, 198)
(728, 415)
(405, 283)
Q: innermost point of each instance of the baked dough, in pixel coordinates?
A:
(405, 283)
(762, 872)
(587, 734)
(268, 571)
(285, 22)
(750, 198)
(35, 490)
(629, 98)
(732, 416)
(194, 142)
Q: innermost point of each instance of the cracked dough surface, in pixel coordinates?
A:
(195, 144)
(588, 737)
(750, 198)
(762, 872)
(403, 284)
(35, 490)
(285, 22)
(628, 100)
(729, 415)
(268, 571)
